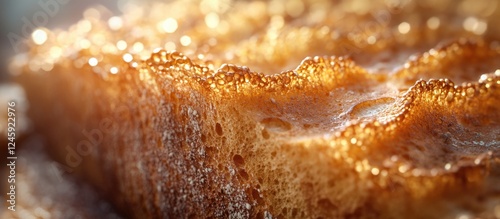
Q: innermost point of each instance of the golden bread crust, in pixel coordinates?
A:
(374, 134)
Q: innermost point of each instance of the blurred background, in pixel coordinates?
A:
(19, 18)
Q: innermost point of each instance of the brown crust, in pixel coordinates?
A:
(174, 136)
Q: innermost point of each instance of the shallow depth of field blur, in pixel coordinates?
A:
(20, 16)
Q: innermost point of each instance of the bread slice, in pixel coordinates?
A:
(167, 135)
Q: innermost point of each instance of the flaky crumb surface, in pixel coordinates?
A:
(269, 111)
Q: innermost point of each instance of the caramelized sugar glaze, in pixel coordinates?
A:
(346, 109)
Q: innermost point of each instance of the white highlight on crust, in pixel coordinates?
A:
(212, 20)
(127, 57)
(115, 23)
(404, 28)
(121, 45)
(185, 40)
(169, 25)
(113, 70)
(474, 25)
(433, 23)
(267, 215)
(93, 61)
(39, 36)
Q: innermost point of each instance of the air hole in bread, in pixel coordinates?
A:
(239, 161)
(243, 174)
(218, 129)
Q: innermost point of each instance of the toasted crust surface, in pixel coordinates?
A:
(396, 118)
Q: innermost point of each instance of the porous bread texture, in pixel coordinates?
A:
(181, 150)
(179, 146)
(168, 135)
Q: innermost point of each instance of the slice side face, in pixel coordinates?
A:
(332, 136)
